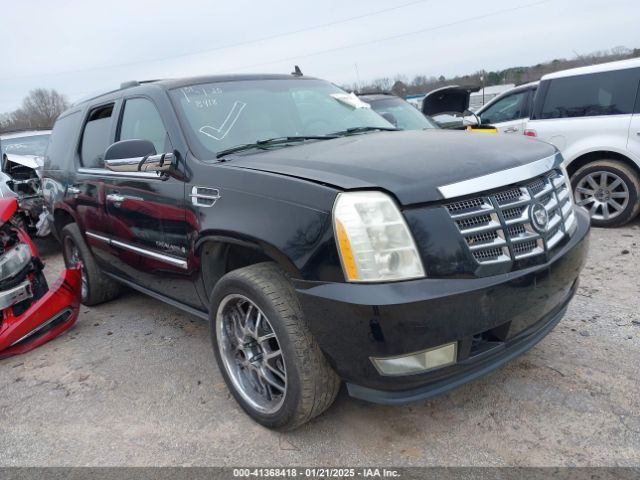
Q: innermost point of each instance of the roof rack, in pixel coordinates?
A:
(123, 86)
(376, 92)
(136, 83)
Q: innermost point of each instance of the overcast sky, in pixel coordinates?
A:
(84, 47)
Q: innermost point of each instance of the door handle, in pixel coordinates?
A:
(117, 199)
(511, 130)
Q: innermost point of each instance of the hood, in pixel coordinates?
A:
(447, 99)
(409, 164)
(31, 161)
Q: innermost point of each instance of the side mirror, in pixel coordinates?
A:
(137, 156)
(471, 118)
(129, 149)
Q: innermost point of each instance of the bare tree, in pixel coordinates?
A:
(39, 110)
(43, 106)
(382, 84)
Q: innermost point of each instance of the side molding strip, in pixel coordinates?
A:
(142, 251)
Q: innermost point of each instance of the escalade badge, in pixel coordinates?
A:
(539, 217)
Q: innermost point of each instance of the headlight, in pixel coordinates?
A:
(373, 239)
(14, 260)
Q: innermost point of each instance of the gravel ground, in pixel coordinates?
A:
(135, 383)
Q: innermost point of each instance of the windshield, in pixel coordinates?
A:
(402, 114)
(222, 115)
(31, 145)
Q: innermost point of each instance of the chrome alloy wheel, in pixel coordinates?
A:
(604, 194)
(251, 354)
(74, 259)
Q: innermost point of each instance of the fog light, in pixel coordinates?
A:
(417, 362)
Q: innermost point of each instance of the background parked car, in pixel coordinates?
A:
(22, 156)
(509, 112)
(398, 111)
(447, 105)
(592, 114)
(32, 313)
(449, 108)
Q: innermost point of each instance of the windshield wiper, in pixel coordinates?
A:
(354, 130)
(265, 144)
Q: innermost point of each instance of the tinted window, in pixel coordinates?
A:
(62, 140)
(511, 107)
(95, 138)
(606, 93)
(142, 121)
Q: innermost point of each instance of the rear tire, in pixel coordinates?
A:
(609, 190)
(298, 384)
(96, 286)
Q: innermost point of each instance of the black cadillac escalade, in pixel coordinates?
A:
(321, 244)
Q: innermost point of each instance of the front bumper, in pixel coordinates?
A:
(493, 319)
(45, 319)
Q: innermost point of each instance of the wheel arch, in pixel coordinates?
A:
(220, 254)
(583, 159)
(61, 218)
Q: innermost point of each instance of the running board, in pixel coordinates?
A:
(162, 298)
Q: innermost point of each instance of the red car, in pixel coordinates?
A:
(32, 313)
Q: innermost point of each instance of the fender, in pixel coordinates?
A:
(63, 207)
(579, 150)
(248, 242)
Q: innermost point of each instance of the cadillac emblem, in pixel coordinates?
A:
(539, 217)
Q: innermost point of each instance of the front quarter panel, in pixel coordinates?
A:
(287, 218)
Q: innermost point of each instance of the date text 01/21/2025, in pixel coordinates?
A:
(315, 472)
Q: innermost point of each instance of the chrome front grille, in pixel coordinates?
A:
(498, 227)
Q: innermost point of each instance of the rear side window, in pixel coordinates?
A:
(606, 93)
(95, 137)
(142, 121)
(62, 141)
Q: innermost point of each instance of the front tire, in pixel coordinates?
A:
(267, 356)
(96, 287)
(609, 190)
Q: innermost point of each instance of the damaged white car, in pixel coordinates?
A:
(21, 177)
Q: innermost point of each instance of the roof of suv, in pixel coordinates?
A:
(602, 67)
(170, 83)
(183, 82)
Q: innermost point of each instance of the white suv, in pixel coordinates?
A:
(592, 114)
